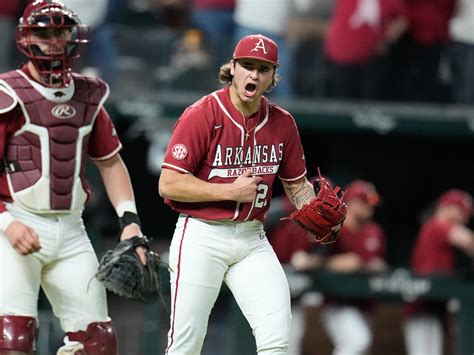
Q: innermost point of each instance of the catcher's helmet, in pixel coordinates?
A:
(50, 24)
(257, 47)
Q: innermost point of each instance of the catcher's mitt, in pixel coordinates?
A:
(121, 271)
(324, 215)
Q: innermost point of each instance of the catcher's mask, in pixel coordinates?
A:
(52, 37)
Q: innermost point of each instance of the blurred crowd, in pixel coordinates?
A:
(392, 50)
(362, 248)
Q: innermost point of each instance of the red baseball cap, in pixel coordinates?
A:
(457, 197)
(364, 190)
(257, 47)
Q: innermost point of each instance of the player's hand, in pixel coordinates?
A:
(346, 262)
(130, 231)
(245, 187)
(22, 238)
(304, 261)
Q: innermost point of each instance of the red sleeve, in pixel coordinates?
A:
(189, 142)
(293, 165)
(397, 8)
(104, 142)
(10, 122)
(3, 130)
(441, 231)
(380, 252)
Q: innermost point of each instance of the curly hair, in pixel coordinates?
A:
(225, 77)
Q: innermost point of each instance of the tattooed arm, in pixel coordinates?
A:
(299, 192)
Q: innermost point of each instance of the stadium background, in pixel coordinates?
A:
(412, 151)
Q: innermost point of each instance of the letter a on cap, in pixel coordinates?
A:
(259, 45)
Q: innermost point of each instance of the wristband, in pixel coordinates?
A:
(5, 220)
(126, 206)
(128, 218)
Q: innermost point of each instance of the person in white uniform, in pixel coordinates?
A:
(51, 121)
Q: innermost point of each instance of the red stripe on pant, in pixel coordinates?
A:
(177, 283)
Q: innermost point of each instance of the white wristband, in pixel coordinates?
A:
(5, 220)
(126, 206)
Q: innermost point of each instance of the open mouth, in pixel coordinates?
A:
(250, 89)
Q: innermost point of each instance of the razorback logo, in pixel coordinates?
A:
(63, 111)
(179, 151)
(260, 45)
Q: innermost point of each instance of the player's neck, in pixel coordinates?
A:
(36, 75)
(246, 108)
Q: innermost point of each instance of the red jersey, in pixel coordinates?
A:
(288, 238)
(103, 142)
(368, 242)
(351, 39)
(433, 252)
(429, 20)
(210, 142)
(214, 4)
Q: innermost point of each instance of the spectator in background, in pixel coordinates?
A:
(269, 18)
(417, 57)
(434, 253)
(216, 19)
(290, 241)
(356, 42)
(309, 23)
(102, 56)
(360, 247)
(461, 30)
(9, 11)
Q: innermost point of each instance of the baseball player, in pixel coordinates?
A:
(225, 153)
(291, 243)
(51, 121)
(361, 246)
(435, 253)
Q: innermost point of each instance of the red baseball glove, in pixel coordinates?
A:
(324, 215)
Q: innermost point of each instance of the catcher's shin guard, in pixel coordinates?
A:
(99, 339)
(18, 333)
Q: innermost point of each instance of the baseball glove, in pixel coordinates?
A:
(121, 271)
(324, 215)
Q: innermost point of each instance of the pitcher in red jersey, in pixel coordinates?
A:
(225, 153)
(434, 253)
(51, 121)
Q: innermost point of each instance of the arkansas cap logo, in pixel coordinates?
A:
(179, 151)
(259, 45)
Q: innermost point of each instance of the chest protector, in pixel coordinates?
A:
(47, 155)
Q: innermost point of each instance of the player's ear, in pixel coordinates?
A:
(232, 66)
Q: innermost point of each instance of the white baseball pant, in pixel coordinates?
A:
(423, 335)
(64, 267)
(348, 329)
(203, 254)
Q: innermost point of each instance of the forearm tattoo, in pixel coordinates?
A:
(301, 195)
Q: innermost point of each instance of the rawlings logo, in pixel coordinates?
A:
(63, 111)
(179, 151)
(260, 45)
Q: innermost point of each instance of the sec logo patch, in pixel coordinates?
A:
(179, 151)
